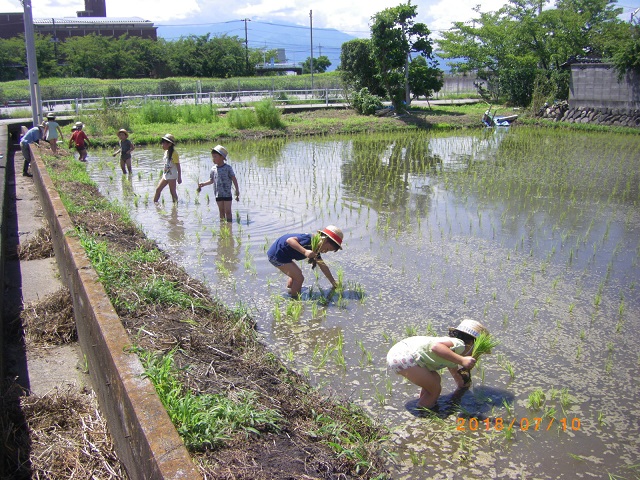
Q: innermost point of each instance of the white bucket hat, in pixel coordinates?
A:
(471, 327)
(221, 150)
(169, 138)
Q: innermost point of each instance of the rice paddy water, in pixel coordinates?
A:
(535, 233)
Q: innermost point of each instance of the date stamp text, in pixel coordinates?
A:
(474, 424)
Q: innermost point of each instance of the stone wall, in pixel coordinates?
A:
(563, 112)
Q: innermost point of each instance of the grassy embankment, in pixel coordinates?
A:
(203, 123)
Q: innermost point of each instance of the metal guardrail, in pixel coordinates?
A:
(230, 99)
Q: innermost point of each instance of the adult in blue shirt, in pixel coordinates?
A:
(34, 135)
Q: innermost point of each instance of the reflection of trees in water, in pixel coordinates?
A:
(266, 152)
(391, 176)
(394, 175)
(228, 250)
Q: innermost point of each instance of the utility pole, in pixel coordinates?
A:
(246, 44)
(55, 39)
(32, 64)
(311, 58)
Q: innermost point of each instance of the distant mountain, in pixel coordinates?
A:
(294, 39)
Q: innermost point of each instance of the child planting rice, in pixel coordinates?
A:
(298, 246)
(419, 358)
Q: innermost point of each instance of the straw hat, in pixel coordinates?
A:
(471, 327)
(169, 138)
(79, 125)
(122, 130)
(51, 115)
(221, 150)
(334, 234)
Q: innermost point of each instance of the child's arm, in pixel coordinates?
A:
(460, 381)
(235, 184)
(116, 152)
(60, 131)
(179, 173)
(204, 184)
(327, 273)
(443, 350)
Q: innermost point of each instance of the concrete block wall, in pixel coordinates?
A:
(597, 85)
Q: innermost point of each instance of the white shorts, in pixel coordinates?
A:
(400, 357)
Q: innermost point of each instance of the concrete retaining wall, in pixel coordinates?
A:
(596, 85)
(3, 235)
(458, 85)
(145, 439)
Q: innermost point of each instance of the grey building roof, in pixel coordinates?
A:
(62, 21)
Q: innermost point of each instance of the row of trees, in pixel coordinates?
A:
(94, 56)
(518, 50)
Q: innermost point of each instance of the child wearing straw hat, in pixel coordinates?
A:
(419, 358)
(51, 131)
(125, 147)
(297, 246)
(172, 172)
(222, 176)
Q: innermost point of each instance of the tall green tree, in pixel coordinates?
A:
(358, 68)
(202, 56)
(12, 59)
(394, 36)
(424, 78)
(523, 44)
(91, 56)
(320, 64)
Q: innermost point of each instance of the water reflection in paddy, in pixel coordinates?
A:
(533, 233)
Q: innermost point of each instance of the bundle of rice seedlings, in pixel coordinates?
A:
(484, 344)
(316, 243)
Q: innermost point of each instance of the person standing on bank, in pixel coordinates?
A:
(297, 246)
(125, 149)
(51, 131)
(222, 176)
(33, 136)
(172, 172)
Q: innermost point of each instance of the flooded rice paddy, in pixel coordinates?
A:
(534, 233)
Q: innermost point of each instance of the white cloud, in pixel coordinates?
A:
(350, 16)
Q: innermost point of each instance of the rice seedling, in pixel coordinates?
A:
(565, 399)
(290, 356)
(411, 330)
(536, 399)
(508, 366)
(277, 313)
(294, 309)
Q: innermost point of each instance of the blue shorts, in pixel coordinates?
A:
(275, 262)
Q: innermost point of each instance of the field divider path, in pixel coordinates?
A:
(145, 439)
